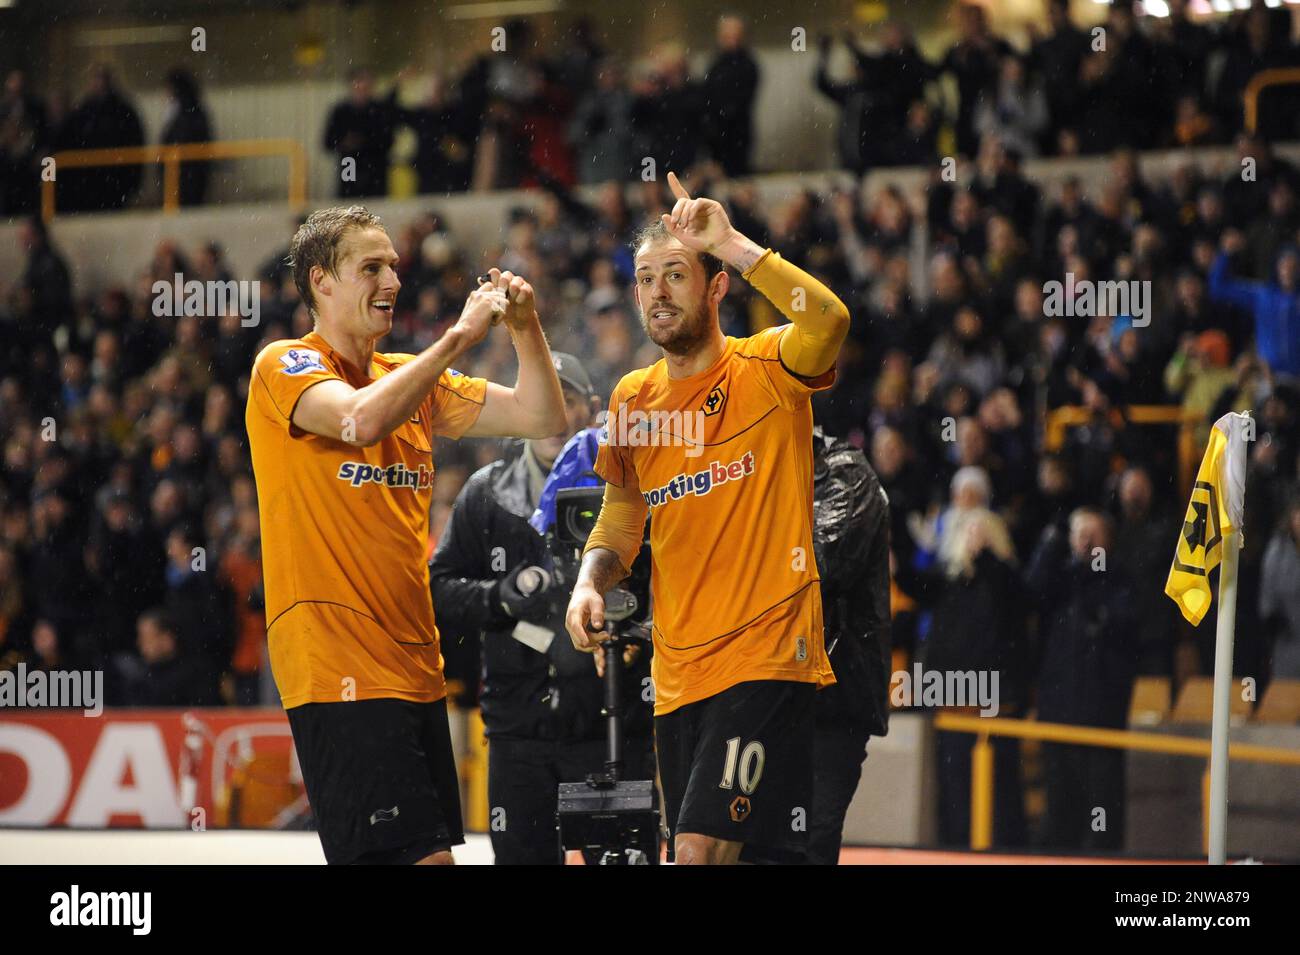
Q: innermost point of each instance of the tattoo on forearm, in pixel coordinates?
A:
(602, 569)
(747, 256)
(740, 252)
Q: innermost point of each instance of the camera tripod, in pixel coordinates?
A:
(614, 821)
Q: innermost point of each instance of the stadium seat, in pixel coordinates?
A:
(1281, 703)
(1196, 703)
(1152, 696)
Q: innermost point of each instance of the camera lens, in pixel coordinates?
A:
(581, 521)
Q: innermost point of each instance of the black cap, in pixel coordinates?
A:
(570, 372)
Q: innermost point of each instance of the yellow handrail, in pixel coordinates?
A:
(172, 156)
(981, 827)
(1258, 83)
(1072, 416)
(474, 773)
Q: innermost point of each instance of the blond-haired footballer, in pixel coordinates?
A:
(341, 439)
(738, 650)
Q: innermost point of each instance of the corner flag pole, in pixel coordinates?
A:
(1211, 537)
(1224, 634)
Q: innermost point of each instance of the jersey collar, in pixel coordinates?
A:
(314, 339)
(728, 346)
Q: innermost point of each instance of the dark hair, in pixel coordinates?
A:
(317, 243)
(519, 32)
(186, 532)
(161, 618)
(656, 231)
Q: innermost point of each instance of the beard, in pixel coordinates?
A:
(691, 331)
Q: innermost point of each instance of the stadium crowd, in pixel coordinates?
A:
(124, 443)
(570, 111)
(128, 514)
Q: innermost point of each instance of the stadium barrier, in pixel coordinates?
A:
(220, 769)
(1265, 79)
(474, 773)
(1059, 420)
(981, 812)
(171, 158)
(199, 768)
(148, 768)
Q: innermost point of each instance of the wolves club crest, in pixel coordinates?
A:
(1201, 532)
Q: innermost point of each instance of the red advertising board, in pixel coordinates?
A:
(200, 768)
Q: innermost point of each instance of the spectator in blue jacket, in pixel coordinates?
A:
(1274, 305)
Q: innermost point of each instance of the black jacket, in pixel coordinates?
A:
(100, 122)
(978, 625)
(1086, 623)
(364, 133)
(180, 681)
(729, 89)
(525, 694)
(851, 540)
(190, 124)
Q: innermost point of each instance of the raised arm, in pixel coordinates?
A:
(365, 416)
(1221, 285)
(839, 92)
(820, 320)
(534, 407)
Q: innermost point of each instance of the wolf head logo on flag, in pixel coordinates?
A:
(1214, 512)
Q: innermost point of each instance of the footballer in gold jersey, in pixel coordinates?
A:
(721, 462)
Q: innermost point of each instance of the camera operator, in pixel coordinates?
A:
(541, 699)
(851, 541)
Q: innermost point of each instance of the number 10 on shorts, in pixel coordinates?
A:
(750, 762)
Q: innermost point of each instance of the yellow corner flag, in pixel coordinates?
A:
(1214, 512)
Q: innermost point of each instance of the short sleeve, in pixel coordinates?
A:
(790, 389)
(282, 372)
(614, 459)
(457, 403)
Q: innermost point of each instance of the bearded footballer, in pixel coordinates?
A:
(738, 646)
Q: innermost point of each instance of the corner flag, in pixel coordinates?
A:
(1214, 511)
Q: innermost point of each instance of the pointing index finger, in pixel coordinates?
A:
(675, 185)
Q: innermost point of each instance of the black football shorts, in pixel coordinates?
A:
(738, 766)
(381, 779)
